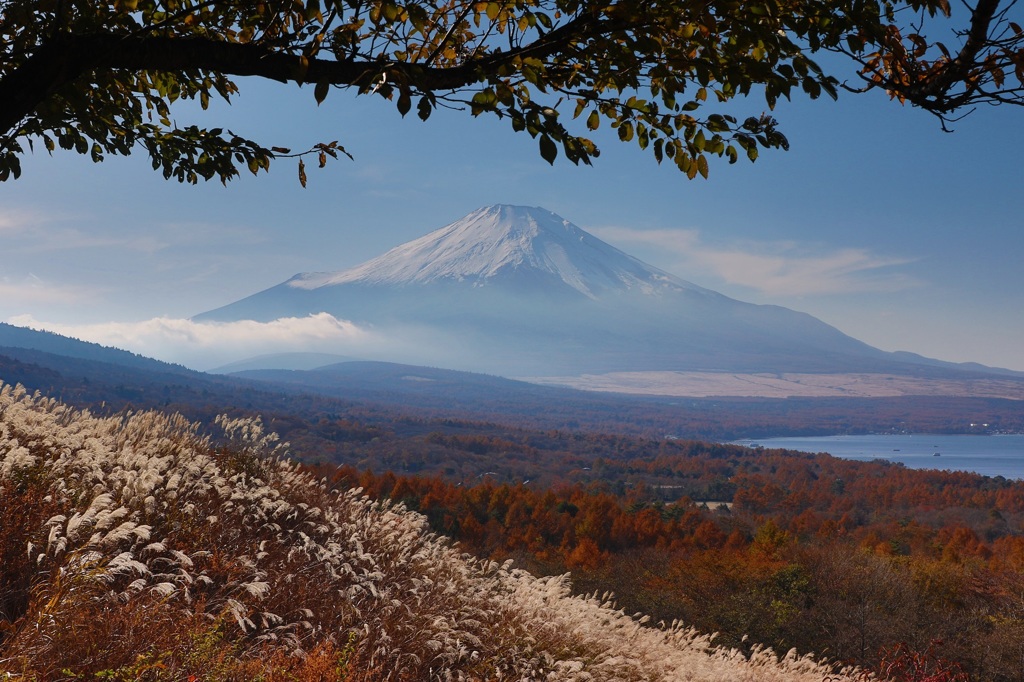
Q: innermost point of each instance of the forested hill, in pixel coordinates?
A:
(385, 416)
(133, 549)
(788, 549)
(377, 394)
(55, 344)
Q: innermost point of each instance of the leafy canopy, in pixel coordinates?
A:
(101, 77)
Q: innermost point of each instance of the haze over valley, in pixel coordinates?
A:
(521, 292)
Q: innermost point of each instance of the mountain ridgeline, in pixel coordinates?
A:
(519, 291)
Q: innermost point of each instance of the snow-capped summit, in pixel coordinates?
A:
(506, 243)
(513, 290)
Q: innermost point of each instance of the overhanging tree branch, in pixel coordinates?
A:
(100, 77)
(925, 73)
(62, 61)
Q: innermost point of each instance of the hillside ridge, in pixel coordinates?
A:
(204, 559)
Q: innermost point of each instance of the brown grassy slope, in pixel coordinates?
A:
(133, 549)
(791, 385)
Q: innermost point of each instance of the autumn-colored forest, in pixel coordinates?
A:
(868, 563)
(132, 548)
(842, 558)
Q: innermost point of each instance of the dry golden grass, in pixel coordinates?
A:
(787, 385)
(135, 549)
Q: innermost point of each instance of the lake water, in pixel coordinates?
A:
(999, 455)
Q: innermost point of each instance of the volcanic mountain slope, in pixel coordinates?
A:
(512, 290)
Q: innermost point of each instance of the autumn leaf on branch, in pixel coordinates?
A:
(101, 78)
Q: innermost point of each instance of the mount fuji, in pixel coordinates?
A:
(517, 291)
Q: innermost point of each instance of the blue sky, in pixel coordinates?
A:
(875, 221)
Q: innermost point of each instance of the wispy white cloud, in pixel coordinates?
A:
(787, 273)
(198, 233)
(33, 290)
(9, 224)
(193, 239)
(16, 220)
(678, 241)
(207, 344)
(772, 268)
(34, 230)
(73, 239)
(31, 230)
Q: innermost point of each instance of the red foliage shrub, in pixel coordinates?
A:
(903, 664)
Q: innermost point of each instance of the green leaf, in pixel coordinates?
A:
(404, 102)
(484, 100)
(424, 107)
(504, 94)
(390, 11)
(548, 149)
(320, 91)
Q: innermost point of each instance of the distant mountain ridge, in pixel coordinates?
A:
(520, 291)
(286, 361)
(56, 344)
(388, 393)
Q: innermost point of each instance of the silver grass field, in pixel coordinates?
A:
(136, 548)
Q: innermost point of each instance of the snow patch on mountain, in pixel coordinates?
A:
(519, 291)
(499, 242)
